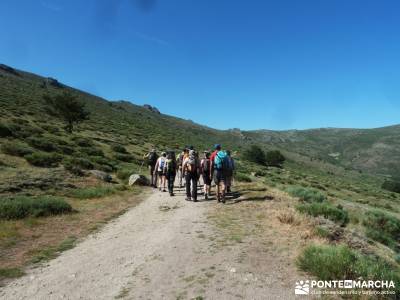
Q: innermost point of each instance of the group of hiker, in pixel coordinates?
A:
(217, 166)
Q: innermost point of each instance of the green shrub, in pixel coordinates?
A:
(93, 192)
(243, 177)
(124, 174)
(5, 131)
(82, 142)
(11, 273)
(119, 149)
(67, 150)
(342, 263)
(82, 163)
(24, 130)
(255, 154)
(306, 194)
(274, 158)
(73, 169)
(42, 144)
(124, 157)
(382, 227)
(22, 207)
(50, 128)
(43, 159)
(392, 186)
(16, 148)
(91, 151)
(260, 173)
(326, 210)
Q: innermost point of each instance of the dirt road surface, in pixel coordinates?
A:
(164, 248)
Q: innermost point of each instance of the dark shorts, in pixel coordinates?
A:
(219, 176)
(161, 173)
(206, 178)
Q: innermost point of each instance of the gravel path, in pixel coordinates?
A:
(160, 249)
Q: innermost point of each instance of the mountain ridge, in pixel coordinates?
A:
(375, 151)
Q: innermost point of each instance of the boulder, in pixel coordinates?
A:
(53, 82)
(137, 179)
(152, 108)
(101, 175)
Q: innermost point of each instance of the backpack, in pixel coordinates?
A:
(192, 164)
(230, 164)
(206, 165)
(221, 161)
(152, 159)
(170, 166)
(161, 164)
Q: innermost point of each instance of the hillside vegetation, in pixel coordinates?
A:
(332, 176)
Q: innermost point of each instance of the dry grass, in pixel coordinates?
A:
(22, 240)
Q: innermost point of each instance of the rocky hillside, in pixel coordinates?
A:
(139, 127)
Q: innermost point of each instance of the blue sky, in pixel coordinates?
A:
(248, 64)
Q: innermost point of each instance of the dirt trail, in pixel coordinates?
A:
(161, 249)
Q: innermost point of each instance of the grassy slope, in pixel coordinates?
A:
(137, 129)
(371, 150)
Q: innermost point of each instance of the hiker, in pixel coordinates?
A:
(160, 171)
(212, 157)
(218, 168)
(170, 171)
(191, 167)
(205, 166)
(152, 158)
(179, 161)
(229, 171)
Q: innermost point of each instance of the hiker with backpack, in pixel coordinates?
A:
(229, 171)
(218, 170)
(159, 170)
(191, 168)
(152, 158)
(181, 158)
(205, 166)
(170, 171)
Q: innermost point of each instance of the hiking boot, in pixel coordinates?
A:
(188, 199)
(223, 199)
(171, 194)
(206, 197)
(164, 190)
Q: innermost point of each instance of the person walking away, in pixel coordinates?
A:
(229, 171)
(160, 171)
(185, 156)
(191, 167)
(170, 172)
(205, 166)
(220, 167)
(179, 162)
(217, 147)
(152, 158)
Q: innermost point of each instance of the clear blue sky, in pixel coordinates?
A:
(224, 63)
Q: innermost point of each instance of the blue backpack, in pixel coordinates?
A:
(221, 161)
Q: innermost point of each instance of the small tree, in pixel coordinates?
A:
(275, 158)
(255, 154)
(66, 107)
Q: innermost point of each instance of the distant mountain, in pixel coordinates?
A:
(370, 150)
(21, 100)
